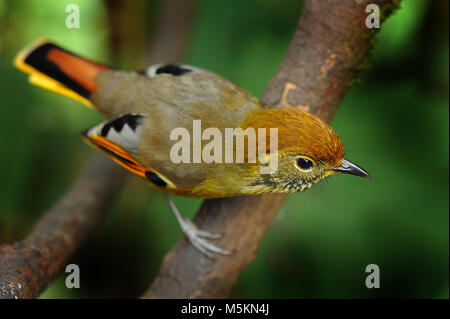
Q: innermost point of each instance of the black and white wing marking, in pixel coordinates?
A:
(170, 68)
(123, 131)
(119, 138)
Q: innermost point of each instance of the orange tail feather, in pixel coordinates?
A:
(58, 70)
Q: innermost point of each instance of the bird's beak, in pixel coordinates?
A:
(348, 167)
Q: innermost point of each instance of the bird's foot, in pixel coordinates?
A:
(196, 237)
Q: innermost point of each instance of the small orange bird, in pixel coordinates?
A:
(153, 117)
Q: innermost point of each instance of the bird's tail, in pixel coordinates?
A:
(58, 70)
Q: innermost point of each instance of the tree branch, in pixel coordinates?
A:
(327, 51)
(27, 267)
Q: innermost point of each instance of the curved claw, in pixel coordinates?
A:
(194, 235)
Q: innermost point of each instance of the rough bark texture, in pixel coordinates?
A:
(326, 54)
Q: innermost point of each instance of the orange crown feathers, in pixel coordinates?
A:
(300, 132)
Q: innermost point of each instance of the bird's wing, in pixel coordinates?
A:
(119, 138)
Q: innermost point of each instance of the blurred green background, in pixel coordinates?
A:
(394, 122)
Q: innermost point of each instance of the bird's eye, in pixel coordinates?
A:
(304, 163)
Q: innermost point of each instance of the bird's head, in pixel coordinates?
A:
(308, 150)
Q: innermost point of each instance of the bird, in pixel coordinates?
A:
(148, 112)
